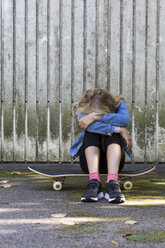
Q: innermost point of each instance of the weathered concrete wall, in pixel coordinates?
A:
(53, 50)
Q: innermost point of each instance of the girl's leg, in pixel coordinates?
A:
(115, 153)
(114, 163)
(92, 154)
(89, 162)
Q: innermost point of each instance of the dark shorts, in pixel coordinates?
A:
(102, 142)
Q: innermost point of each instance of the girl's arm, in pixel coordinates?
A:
(95, 126)
(91, 123)
(121, 118)
(106, 129)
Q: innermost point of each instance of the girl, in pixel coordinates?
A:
(102, 143)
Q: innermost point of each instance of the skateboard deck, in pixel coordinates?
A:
(59, 177)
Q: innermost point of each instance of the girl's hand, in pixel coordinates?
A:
(87, 120)
(127, 138)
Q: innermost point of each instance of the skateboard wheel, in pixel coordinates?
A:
(57, 185)
(128, 185)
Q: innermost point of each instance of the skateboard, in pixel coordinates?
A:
(59, 177)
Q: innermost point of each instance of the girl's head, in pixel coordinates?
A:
(99, 101)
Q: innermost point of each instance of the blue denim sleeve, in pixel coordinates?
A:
(100, 127)
(97, 126)
(120, 119)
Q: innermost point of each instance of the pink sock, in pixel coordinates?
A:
(94, 176)
(112, 177)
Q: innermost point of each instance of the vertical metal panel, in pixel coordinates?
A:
(121, 47)
(140, 80)
(66, 80)
(37, 76)
(127, 51)
(96, 42)
(90, 43)
(53, 148)
(102, 31)
(14, 78)
(1, 41)
(115, 47)
(52, 51)
(19, 81)
(133, 70)
(1, 79)
(48, 78)
(26, 73)
(150, 96)
(77, 57)
(60, 75)
(72, 64)
(8, 81)
(84, 44)
(161, 83)
(157, 81)
(42, 80)
(30, 80)
(108, 44)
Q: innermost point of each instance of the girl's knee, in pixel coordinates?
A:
(115, 139)
(92, 139)
(114, 146)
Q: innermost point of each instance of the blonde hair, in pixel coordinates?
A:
(97, 100)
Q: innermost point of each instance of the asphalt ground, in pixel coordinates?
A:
(32, 214)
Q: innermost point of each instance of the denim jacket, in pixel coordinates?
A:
(105, 126)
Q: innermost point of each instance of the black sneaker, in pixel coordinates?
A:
(113, 193)
(93, 192)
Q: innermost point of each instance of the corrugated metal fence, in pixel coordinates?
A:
(53, 50)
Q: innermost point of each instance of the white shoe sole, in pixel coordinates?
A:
(93, 199)
(114, 200)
